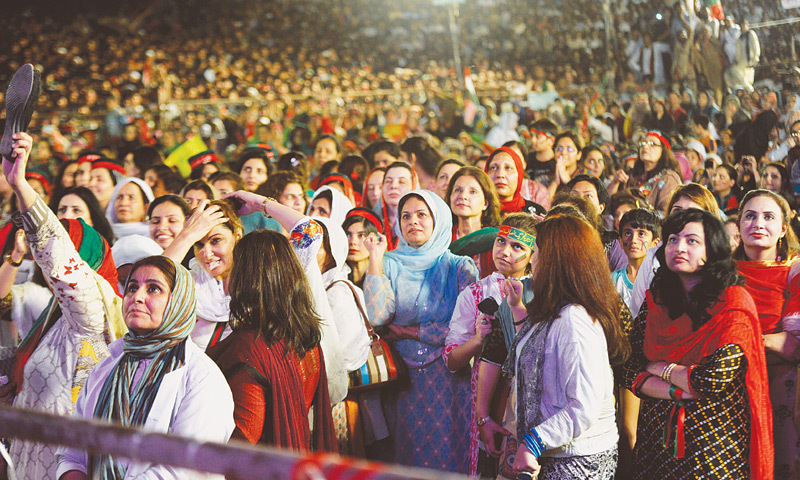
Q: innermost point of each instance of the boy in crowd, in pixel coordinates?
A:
(639, 230)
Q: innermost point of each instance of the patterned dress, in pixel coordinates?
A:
(60, 364)
(429, 420)
(462, 328)
(714, 429)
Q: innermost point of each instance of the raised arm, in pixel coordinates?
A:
(80, 292)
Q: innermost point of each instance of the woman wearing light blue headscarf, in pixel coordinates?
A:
(412, 291)
(155, 378)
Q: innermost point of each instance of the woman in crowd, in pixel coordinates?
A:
(505, 169)
(287, 188)
(347, 305)
(342, 183)
(567, 150)
(127, 208)
(255, 166)
(69, 338)
(775, 178)
(140, 159)
(163, 180)
(425, 159)
(204, 164)
(596, 163)
(330, 203)
(65, 178)
(359, 224)
(562, 356)
(686, 196)
(511, 253)
(443, 174)
(276, 330)
(765, 258)
(399, 179)
(326, 148)
(155, 377)
(104, 176)
(474, 203)
(726, 192)
(698, 363)
(372, 187)
(658, 118)
(166, 216)
(196, 191)
(656, 173)
(213, 230)
(80, 202)
(412, 291)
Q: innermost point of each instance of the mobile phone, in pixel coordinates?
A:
(488, 306)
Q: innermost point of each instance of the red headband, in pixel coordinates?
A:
(40, 177)
(89, 157)
(662, 138)
(107, 164)
(203, 159)
(540, 132)
(367, 215)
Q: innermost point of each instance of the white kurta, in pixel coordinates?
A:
(193, 401)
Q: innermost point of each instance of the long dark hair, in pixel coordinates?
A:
(96, 213)
(270, 292)
(666, 161)
(572, 269)
(717, 274)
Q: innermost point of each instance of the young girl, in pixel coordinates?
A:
(512, 253)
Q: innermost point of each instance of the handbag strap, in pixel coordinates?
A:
(370, 330)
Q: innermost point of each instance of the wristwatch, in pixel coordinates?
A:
(483, 420)
(7, 259)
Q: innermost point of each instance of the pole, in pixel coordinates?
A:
(453, 14)
(238, 460)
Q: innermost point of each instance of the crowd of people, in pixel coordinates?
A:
(568, 269)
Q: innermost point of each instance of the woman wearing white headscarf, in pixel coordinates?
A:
(412, 290)
(156, 378)
(346, 301)
(127, 208)
(329, 203)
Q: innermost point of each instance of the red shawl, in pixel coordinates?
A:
(517, 203)
(767, 282)
(276, 415)
(734, 321)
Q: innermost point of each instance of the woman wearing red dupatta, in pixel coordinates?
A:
(698, 363)
(505, 169)
(765, 258)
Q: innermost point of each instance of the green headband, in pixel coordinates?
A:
(517, 234)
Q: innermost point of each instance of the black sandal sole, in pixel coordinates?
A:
(21, 97)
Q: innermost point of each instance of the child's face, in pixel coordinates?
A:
(636, 241)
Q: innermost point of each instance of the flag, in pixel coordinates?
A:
(180, 156)
(716, 9)
(471, 101)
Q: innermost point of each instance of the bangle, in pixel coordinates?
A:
(484, 420)
(675, 393)
(639, 381)
(7, 259)
(667, 372)
(264, 204)
(534, 443)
